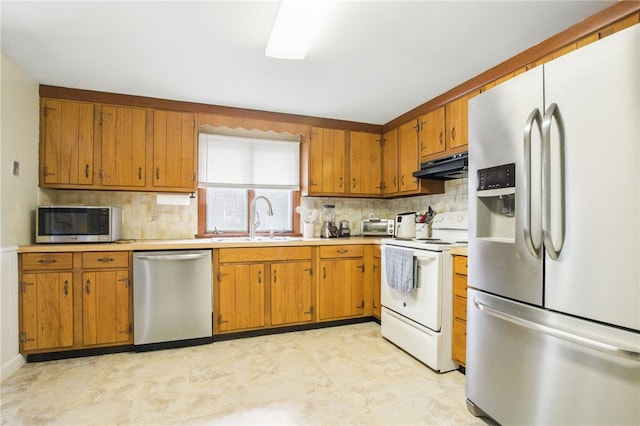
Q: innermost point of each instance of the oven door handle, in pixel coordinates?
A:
(417, 265)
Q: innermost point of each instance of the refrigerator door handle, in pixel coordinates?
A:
(553, 248)
(534, 117)
(626, 353)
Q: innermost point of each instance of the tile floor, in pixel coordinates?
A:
(346, 375)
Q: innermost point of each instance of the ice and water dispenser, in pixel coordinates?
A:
(496, 203)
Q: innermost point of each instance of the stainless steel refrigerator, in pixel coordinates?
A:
(553, 331)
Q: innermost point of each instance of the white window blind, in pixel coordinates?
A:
(240, 162)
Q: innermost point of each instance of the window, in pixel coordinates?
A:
(233, 171)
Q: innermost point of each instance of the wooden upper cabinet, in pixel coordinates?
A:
(66, 144)
(174, 151)
(365, 163)
(456, 117)
(390, 162)
(122, 146)
(408, 161)
(327, 162)
(431, 132)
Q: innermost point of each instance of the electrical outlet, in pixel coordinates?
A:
(16, 168)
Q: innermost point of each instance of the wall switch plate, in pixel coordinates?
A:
(16, 168)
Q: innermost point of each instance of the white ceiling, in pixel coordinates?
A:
(373, 61)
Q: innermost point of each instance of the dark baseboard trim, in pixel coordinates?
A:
(300, 327)
(79, 353)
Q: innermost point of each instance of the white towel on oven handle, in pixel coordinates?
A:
(398, 264)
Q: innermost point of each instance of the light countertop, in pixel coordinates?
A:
(203, 243)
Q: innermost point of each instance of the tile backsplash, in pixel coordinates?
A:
(355, 209)
(144, 219)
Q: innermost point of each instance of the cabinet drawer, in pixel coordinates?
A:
(460, 265)
(459, 342)
(460, 308)
(459, 285)
(105, 259)
(341, 251)
(46, 261)
(263, 254)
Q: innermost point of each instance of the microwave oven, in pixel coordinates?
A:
(78, 224)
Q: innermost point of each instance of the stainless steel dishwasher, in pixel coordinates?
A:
(172, 298)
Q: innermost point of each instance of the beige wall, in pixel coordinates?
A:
(19, 116)
(19, 142)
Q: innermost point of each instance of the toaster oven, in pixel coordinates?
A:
(377, 227)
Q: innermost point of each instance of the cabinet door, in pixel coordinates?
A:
(377, 270)
(365, 163)
(174, 150)
(431, 133)
(390, 164)
(105, 307)
(291, 293)
(408, 157)
(66, 145)
(47, 311)
(122, 146)
(327, 166)
(241, 296)
(341, 288)
(456, 117)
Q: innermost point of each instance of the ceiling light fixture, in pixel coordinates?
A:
(296, 26)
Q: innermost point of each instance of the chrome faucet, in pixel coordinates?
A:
(255, 217)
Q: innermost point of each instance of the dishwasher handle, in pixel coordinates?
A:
(189, 256)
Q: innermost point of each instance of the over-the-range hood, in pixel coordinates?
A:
(446, 168)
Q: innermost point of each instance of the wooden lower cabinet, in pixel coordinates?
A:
(377, 282)
(262, 287)
(341, 292)
(459, 343)
(64, 306)
(291, 287)
(47, 311)
(241, 291)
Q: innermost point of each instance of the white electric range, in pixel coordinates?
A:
(419, 319)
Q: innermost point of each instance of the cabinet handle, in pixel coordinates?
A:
(275, 276)
(66, 287)
(106, 259)
(220, 319)
(45, 172)
(361, 305)
(343, 251)
(310, 311)
(453, 133)
(124, 280)
(341, 182)
(86, 170)
(310, 271)
(259, 277)
(422, 147)
(395, 181)
(312, 183)
(157, 173)
(402, 180)
(354, 182)
(440, 138)
(324, 272)
(47, 261)
(361, 267)
(220, 275)
(88, 286)
(139, 173)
